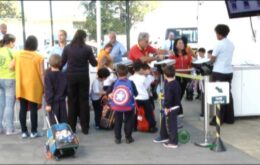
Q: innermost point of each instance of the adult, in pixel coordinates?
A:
(78, 55)
(105, 53)
(118, 50)
(223, 70)
(7, 85)
(188, 49)
(3, 30)
(29, 72)
(168, 44)
(142, 49)
(183, 61)
(62, 42)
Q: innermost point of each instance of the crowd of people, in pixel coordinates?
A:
(65, 80)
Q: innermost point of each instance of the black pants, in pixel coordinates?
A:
(183, 83)
(169, 127)
(128, 127)
(78, 101)
(98, 111)
(60, 110)
(33, 107)
(227, 110)
(148, 109)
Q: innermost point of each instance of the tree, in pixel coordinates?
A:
(9, 9)
(113, 15)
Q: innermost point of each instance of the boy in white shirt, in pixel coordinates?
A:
(97, 92)
(142, 99)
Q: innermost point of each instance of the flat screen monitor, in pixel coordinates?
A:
(243, 8)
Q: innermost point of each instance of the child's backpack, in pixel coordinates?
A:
(107, 120)
(142, 123)
(122, 96)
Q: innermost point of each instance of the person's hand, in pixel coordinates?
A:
(48, 108)
(166, 111)
(110, 96)
(170, 52)
(159, 57)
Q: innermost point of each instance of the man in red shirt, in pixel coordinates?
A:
(142, 50)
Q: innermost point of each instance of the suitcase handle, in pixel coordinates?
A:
(47, 116)
(174, 108)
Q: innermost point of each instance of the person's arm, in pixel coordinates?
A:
(147, 59)
(123, 51)
(171, 97)
(91, 57)
(42, 70)
(215, 53)
(64, 57)
(135, 92)
(110, 88)
(48, 88)
(12, 63)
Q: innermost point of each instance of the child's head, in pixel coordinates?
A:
(169, 71)
(210, 53)
(201, 52)
(108, 47)
(103, 73)
(55, 61)
(146, 69)
(122, 70)
(138, 66)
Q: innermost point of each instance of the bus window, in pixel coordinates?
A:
(190, 33)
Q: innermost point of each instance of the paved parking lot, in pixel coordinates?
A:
(99, 148)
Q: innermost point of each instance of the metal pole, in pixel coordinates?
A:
(51, 17)
(98, 20)
(206, 115)
(218, 145)
(23, 22)
(127, 24)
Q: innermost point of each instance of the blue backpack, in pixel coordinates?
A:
(123, 98)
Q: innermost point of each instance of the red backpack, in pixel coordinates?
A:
(142, 123)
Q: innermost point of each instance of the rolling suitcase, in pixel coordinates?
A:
(61, 142)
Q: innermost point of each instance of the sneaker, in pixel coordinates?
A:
(181, 115)
(153, 129)
(25, 135)
(169, 145)
(180, 125)
(35, 135)
(97, 127)
(160, 140)
(117, 141)
(13, 132)
(129, 140)
(85, 132)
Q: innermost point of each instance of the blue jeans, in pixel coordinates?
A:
(7, 101)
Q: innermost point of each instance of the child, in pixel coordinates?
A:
(201, 53)
(149, 80)
(107, 63)
(209, 53)
(122, 96)
(97, 92)
(172, 94)
(55, 90)
(142, 98)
